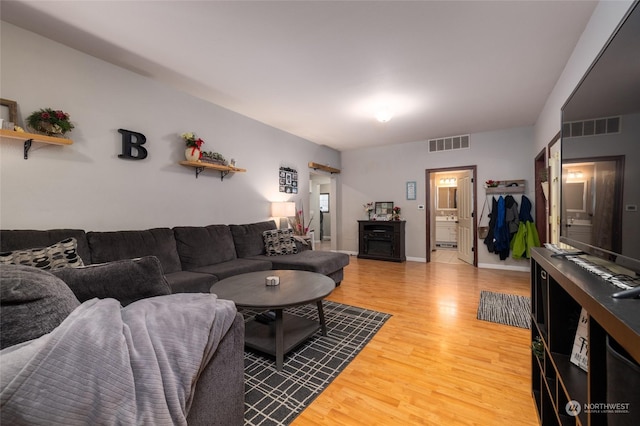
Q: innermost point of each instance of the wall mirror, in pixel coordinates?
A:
(447, 198)
(575, 196)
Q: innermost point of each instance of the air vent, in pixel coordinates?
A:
(598, 126)
(449, 143)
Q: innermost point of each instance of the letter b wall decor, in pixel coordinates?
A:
(132, 144)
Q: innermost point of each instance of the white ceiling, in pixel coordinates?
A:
(322, 69)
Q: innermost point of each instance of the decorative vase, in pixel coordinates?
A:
(192, 154)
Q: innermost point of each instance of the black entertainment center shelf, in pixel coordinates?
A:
(560, 290)
(619, 317)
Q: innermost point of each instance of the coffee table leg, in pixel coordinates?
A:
(279, 340)
(323, 325)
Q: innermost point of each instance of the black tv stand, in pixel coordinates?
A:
(559, 292)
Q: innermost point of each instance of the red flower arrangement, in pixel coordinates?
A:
(396, 213)
(49, 121)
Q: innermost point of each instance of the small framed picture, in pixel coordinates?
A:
(384, 207)
(411, 190)
(9, 110)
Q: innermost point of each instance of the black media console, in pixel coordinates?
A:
(381, 240)
(608, 392)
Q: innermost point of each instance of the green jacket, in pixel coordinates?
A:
(524, 239)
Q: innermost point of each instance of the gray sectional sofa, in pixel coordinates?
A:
(193, 258)
(133, 266)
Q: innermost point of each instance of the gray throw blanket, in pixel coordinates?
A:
(108, 365)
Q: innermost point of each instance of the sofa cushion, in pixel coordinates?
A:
(119, 245)
(190, 282)
(15, 239)
(278, 242)
(32, 303)
(204, 245)
(124, 280)
(248, 238)
(322, 262)
(63, 254)
(234, 267)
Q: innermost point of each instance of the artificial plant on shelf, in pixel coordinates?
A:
(194, 144)
(213, 157)
(300, 227)
(50, 122)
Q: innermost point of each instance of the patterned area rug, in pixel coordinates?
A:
(508, 309)
(277, 397)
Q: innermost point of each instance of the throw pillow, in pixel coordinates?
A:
(279, 241)
(32, 303)
(124, 280)
(63, 254)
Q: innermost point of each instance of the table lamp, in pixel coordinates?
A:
(283, 210)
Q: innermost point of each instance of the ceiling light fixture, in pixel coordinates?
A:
(383, 116)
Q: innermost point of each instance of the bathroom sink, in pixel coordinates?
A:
(446, 218)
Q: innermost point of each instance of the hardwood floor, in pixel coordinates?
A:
(433, 362)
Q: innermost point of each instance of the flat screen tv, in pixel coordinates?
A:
(600, 190)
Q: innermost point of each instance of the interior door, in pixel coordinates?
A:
(554, 192)
(465, 217)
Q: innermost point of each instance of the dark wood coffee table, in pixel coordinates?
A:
(287, 331)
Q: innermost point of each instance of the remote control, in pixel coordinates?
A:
(627, 294)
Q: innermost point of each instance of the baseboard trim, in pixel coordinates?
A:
(504, 267)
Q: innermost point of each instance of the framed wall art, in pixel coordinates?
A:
(411, 190)
(288, 180)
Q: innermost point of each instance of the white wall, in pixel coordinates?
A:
(87, 186)
(606, 17)
(381, 173)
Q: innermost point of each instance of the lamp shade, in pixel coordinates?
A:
(283, 209)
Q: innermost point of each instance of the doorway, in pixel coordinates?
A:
(322, 201)
(451, 228)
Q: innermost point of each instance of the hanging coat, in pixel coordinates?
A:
(501, 234)
(511, 212)
(527, 235)
(489, 240)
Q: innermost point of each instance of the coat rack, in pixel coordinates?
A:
(508, 187)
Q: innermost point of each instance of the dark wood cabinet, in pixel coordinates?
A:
(381, 240)
(608, 392)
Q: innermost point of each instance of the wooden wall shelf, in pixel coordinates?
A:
(28, 138)
(508, 187)
(318, 166)
(201, 166)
